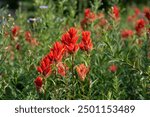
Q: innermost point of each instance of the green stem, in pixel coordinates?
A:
(73, 57)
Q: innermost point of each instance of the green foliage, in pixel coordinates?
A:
(18, 67)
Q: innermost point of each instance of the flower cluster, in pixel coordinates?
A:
(115, 12)
(15, 32)
(147, 13)
(53, 63)
(30, 39)
(16, 42)
(90, 17)
(126, 33)
(69, 40)
(140, 24)
(86, 43)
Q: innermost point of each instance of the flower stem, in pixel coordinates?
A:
(73, 57)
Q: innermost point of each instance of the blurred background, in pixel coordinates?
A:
(81, 4)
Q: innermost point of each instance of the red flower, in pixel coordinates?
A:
(39, 69)
(115, 11)
(137, 11)
(87, 12)
(140, 24)
(82, 71)
(15, 31)
(70, 39)
(72, 48)
(34, 42)
(113, 68)
(147, 13)
(38, 83)
(126, 33)
(56, 53)
(28, 36)
(103, 22)
(45, 66)
(62, 69)
(131, 18)
(88, 17)
(86, 43)
(30, 39)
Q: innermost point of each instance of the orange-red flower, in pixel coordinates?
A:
(86, 43)
(30, 39)
(38, 83)
(28, 36)
(115, 11)
(70, 39)
(136, 11)
(103, 22)
(126, 33)
(89, 17)
(56, 53)
(62, 69)
(15, 31)
(131, 18)
(140, 24)
(113, 68)
(45, 66)
(34, 42)
(82, 71)
(147, 13)
(87, 12)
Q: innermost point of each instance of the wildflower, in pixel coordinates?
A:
(126, 33)
(30, 39)
(140, 24)
(115, 11)
(45, 66)
(34, 42)
(131, 18)
(86, 43)
(82, 71)
(87, 12)
(103, 22)
(113, 68)
(70, 39)
(88, 17)
(72, 48)
(101, 15)
(15, 31)
(38, 83)
(136, 11)
(56, 53)
(147, 13)
(62, 69)
(28, 36)
(39, 69)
